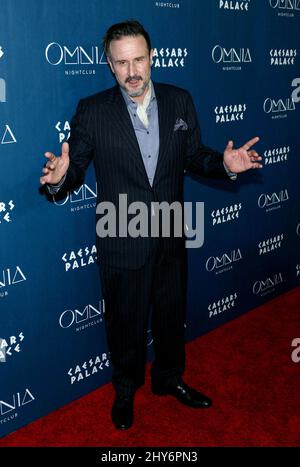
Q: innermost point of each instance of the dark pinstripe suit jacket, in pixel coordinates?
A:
(101, 130)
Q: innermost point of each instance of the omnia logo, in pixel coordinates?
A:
(282, 105)
(216, 262)
(11, 276)
(73, 317)
(84, 192)
(57, 54)
(7, 136)
(220, 54)
(268, 285)
(285, 4)
(268, 200)
(17, 400)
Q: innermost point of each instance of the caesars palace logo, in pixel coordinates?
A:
(5, 211)
(282, 57)
(271, 244)
(88, 368)
(276, 155)
(222, 305)
(9, 345)
(226, 214)
(234, 5)
(230, 113)
(79, 259)
(169, 57)
(63, 130)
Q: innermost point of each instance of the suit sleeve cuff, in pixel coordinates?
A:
(231, 175)
(53, 189)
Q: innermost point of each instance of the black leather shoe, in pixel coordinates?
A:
(185, 394)
(122, 412)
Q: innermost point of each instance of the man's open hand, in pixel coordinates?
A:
(56, 167)
(243, 158)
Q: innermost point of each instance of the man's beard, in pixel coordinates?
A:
(138, 92)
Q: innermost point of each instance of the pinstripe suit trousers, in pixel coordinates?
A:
(132, 296)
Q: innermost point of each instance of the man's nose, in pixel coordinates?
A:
(131, 69)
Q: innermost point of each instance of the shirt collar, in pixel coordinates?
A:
(130, 102)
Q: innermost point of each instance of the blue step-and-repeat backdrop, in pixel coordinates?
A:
(240, 60)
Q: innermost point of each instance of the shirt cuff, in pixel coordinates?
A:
(231, 175)
(53, 189)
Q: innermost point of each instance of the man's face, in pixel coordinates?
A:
(130, 61)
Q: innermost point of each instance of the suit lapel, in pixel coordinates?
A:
(165, 107)
(120, 118)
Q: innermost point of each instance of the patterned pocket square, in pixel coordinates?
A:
(180, 125)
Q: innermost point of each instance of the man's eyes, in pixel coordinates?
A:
(123, 62)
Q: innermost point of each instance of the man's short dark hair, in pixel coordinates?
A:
(126, 28)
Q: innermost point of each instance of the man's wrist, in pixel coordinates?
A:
(231, 175)
(54, 188)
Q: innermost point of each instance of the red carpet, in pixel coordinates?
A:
(245, 366)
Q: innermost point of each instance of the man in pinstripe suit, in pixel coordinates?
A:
(142, 136)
